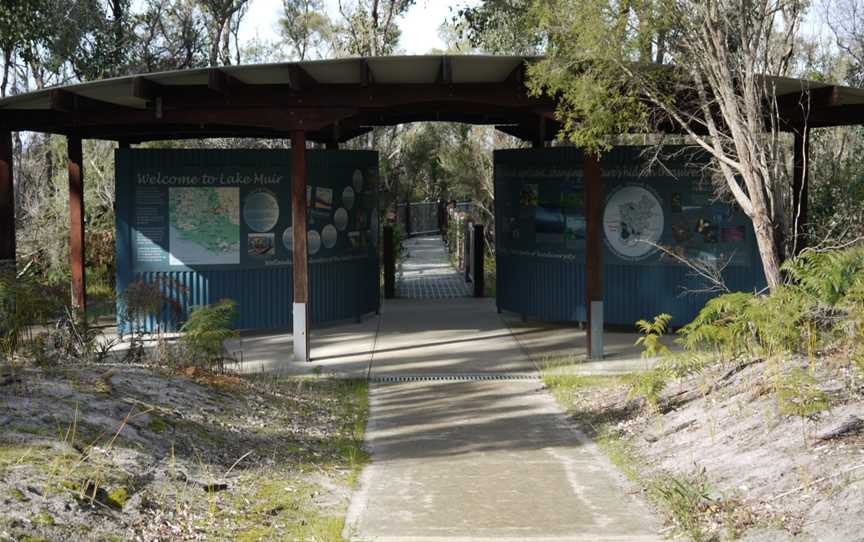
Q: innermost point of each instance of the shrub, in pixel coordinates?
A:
(206, 330)
(719, 326)
(827, 275)
(24, 302)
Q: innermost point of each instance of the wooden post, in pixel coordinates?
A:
(76, 222)
(389, 256)
(800, 167)
(300, 257)
(594, 255)
(479, 251)
(7, 203)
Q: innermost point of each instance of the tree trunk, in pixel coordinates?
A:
(765, 240)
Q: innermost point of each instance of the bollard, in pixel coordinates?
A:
(477, 265)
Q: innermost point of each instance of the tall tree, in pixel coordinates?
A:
(370, 26)
(219, 14)
(305, 27)
(171, 35)
(501, 26)
(597, 65)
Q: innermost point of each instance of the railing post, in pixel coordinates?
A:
(466, 249)
(389, 263)
(479, 251)
(407, 219)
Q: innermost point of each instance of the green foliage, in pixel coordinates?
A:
(719, 326)
(827, 275)
(798, 394)
(853, 304)
(589, 43)
(501, 27)
(206, 330)
(686, 500)
(24, 302)
(648, 385)
(652, 335)
(825, 299)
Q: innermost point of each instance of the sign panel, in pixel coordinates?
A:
(217, 224)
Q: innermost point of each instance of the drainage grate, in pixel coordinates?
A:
(512, 377)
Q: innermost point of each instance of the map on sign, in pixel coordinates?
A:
(204, 225)
(633, 222)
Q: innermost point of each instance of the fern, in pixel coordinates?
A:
(720, 326)
(206, 330)
(652, 334)
(826, 275)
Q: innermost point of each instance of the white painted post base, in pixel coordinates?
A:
(596, 330)
(301, 333)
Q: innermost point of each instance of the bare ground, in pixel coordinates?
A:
(92, 453)
(721, 460)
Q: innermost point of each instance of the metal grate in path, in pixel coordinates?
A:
(509, 377)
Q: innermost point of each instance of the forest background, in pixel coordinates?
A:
(54, 42)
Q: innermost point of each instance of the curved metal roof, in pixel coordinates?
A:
(335, 100)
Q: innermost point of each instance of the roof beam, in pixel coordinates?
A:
(146, 89)
(445, 73)
(223, 83)
(299, 79)
(366, 77)
(64, 101)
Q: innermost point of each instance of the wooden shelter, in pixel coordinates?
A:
(330, 102)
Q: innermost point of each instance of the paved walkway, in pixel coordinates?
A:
(467, 445)
(427, 273)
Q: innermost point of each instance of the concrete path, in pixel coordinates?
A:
(467, 445)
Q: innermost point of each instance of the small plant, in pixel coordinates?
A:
(649, 385)
(206, 330)
(652, 335)
(686, 500)
(798, 394)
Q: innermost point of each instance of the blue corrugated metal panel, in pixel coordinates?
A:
(541, 288)
(632, 293)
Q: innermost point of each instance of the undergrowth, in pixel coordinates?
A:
(820, 309)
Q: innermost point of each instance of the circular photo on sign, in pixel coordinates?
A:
(261, 211)
(633, 222)
(329, 235)
(348, 197)
(357, 181)
(288, 238)
(313, 239)
(340, 218)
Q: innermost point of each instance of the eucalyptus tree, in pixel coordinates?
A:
(619, 66)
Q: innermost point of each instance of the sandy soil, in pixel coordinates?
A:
(770, 472)
(137, 454)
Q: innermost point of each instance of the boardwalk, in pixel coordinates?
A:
(427, 272)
